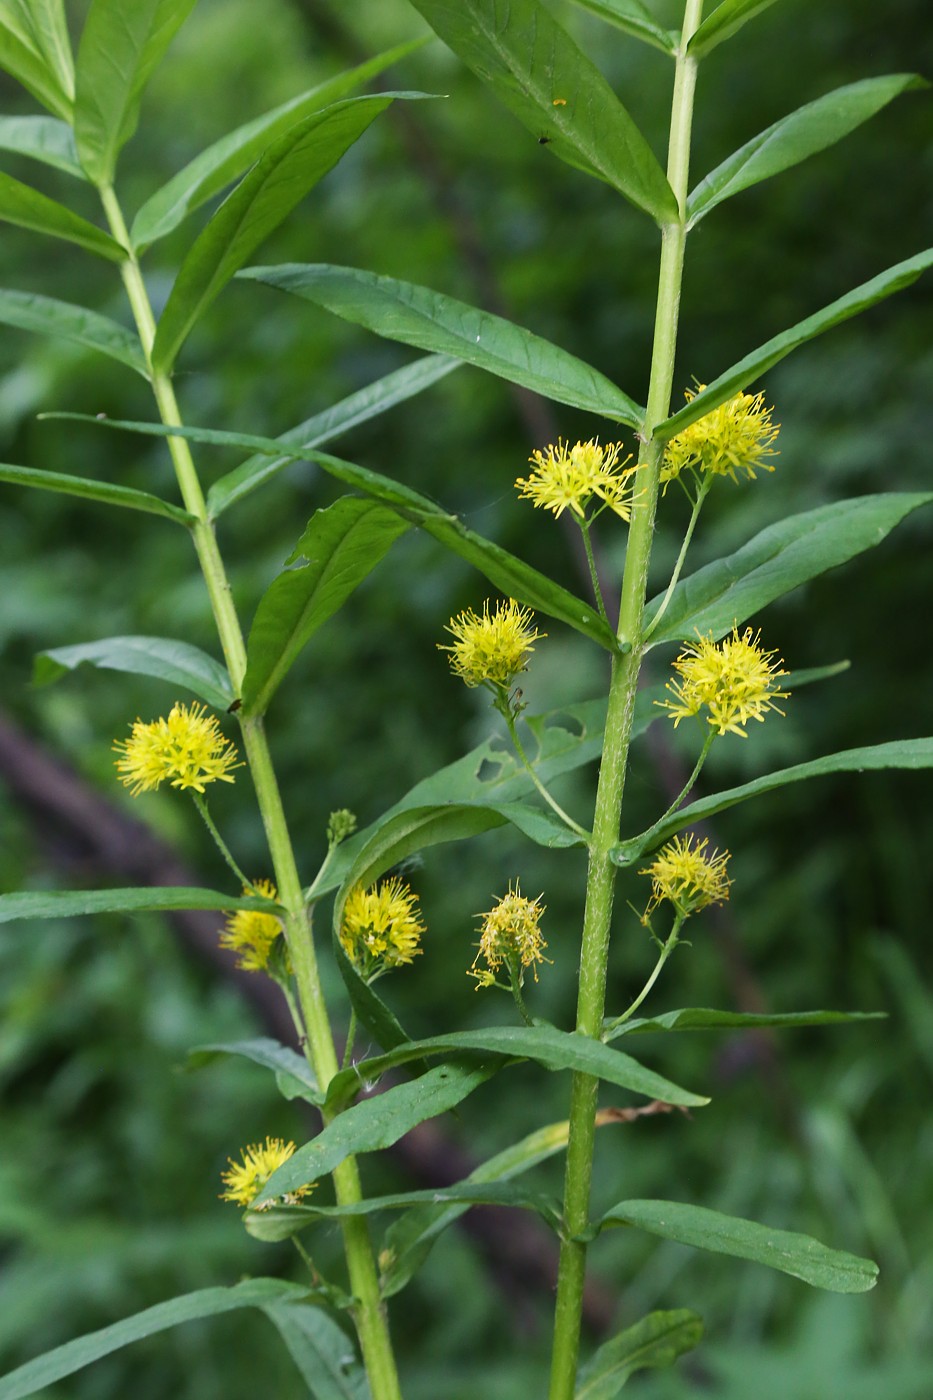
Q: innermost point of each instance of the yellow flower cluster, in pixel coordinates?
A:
(735, 681)
(245, 1179)
(493, 649)
(567, 477)
(686, 876)
(250, 933)
(510, 934)
(381, 928)
(735, 437)
(187, 750)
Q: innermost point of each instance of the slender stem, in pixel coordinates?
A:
(219, 841)
(369, 1312)
(672, 940)
(529, 769)
(702, 494)
(642, 840)
(611, 783)
(515, 980)
(351, 1037)
(594, 572)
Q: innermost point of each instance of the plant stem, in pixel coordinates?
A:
(369, 1313)
(219, 841)
(672, 940)
(611, 783)
(594, 572)
(643, 839)
(702, 494)
(509, 718)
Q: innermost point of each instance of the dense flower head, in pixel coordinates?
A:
(380, 928)
(187, 750)
(569, 477)
(492, 649)
(340, 825)
(735, 437)
(510, 934)
(250, 933)
(734, 680)
(685, 875)
(245, 1179)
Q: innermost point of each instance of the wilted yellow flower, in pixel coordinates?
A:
(735, 681)
(735, 437)
(684, 874)
(380, 928)
(510, 935)
(566, 476)
(245, 1179)
(250, 932)
(492, 649)
(188, 750)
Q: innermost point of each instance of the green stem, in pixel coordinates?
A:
(509, 718)
(369, 1313)
(611, 783)
(702, 494)
(594, 573)
(672, 940)
(219, 841)
(643, 839)
(351, 1037)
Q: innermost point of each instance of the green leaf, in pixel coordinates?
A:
(547, 1046)
(22, 205)
(323, 427)
(417, 316)
(723, 594)
(279, 180)
(653, 1343)
(703, 1019)
(912, 754)
(797, 1255)
(338, 550)
(42, 138)
(727, 19)
(206, 1302)
(371, 1011)
(895, 279)
(103, 491)
(121, 46)
(228, 158)
(321, 1350)
(293, 1074)
(179, 663)
(36, 51)
(29, 311)
(537, 71)
(633, 18)
(796, 137)
(69, 904)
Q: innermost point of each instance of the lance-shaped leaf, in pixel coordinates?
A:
(293, 1075)
(797, 1255)
(22, 205)
(121, 46)
(723, 594)
(536, 69)
(206, 1302)
(319, 1348)
(179, 663)
(727, 19)
(652, 1344)
(279, 180)
(796, 137)
(36, 51)
(42, 138)
(431, 321)
(103, 491)
(69, 904)
(228, 158)
(632, 17)
(338, 550)
(911, 754)
(895, 279)
(323, 427)
(701, 1018)
(29, 311)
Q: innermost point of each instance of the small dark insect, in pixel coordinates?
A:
(544, 140)
(234, 707)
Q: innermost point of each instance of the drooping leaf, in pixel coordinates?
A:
(103, 491)
(279, 180)
(22, 205)
(701, 1018)
(41, 138)
(323, 427)
(338, 550)
(29, 311)
(745, 371)
(632, 17)
(121, 46)
(431, 321)
(911, 754)
(321, 1350)
(727, 19)
(797, 1255)
(177, 662)
(206, 1302)
(225, 160)
(69, 904)
(796, 137)
(724, 593)
(537, 71)
(36, 51)
(654, 1343)
(293, 1075)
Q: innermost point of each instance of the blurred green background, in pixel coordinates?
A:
(110, 1157)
